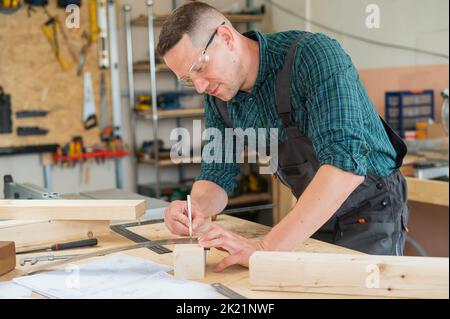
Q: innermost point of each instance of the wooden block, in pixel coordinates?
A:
(39, 232)
(7, 256)
(189, 262)
(365, 275)
(67, 209)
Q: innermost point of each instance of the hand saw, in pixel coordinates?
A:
(89, 109)
(146, 244)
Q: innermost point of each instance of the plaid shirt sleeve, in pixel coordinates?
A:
(221, 173)
(336, 119)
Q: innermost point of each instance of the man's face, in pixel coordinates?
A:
(221, 76)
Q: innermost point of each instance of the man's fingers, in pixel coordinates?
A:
(179, 229)
(182, 219)
(212, 232)
(226, 262)
(221, 243)
(197, 222)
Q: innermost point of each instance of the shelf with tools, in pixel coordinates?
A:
(144, 66)
(168, 162)
(249, 198)
(142, 20)
(143, 107)
(171, 114)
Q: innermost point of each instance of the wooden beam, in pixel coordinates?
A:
(65, 209)
(7, 256)
(428, 191)
(27, 233)
(365, 275)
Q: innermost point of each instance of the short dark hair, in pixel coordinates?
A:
(181, 21)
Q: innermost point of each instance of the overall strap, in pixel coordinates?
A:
(283, 89)
(283, 100)
(223, 111)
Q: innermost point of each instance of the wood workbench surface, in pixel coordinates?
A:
(235, 277)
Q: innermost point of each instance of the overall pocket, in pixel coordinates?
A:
(374, 238)
(370, 227)
(297, 177)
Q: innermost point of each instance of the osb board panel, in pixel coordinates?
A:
(30, 72)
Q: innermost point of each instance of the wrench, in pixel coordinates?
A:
(36, 259)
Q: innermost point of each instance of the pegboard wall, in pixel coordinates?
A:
(31, 74)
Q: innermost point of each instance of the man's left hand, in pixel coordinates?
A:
(239, 248)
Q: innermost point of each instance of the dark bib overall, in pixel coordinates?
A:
(374, 217)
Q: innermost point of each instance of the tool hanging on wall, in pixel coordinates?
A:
(31, 113)
(50, 29)
(103, 53)
(93, 20)
(89, 114)
(9, 6)
(31, 130)
(65, 3)
(35, 3)
(5, 113)
(106, 129)
(83, 52)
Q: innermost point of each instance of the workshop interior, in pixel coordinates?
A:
(101, 140)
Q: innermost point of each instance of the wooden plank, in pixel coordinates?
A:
(27, 233)
(365, 275)
(7, 256)
(428, 191)
(66, 209)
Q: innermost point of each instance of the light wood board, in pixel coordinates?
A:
(27, 233)
(365, 275)
(428, 191)
(66, 209)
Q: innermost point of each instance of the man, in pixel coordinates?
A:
(335, 153)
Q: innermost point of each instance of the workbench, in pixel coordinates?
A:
(235, 277)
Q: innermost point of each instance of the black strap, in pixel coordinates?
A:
(397, 143)
(223, 111)
(283, 99)
(283, 87)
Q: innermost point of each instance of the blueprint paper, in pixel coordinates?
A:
(10, 290)
(116, 276)
(159, 286)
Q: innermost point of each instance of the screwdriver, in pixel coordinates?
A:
(63, 246)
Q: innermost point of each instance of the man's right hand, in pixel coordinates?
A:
(176, 218)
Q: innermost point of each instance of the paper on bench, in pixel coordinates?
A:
(10, 290)
(117, 276)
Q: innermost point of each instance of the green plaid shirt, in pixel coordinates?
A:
(330, 106)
